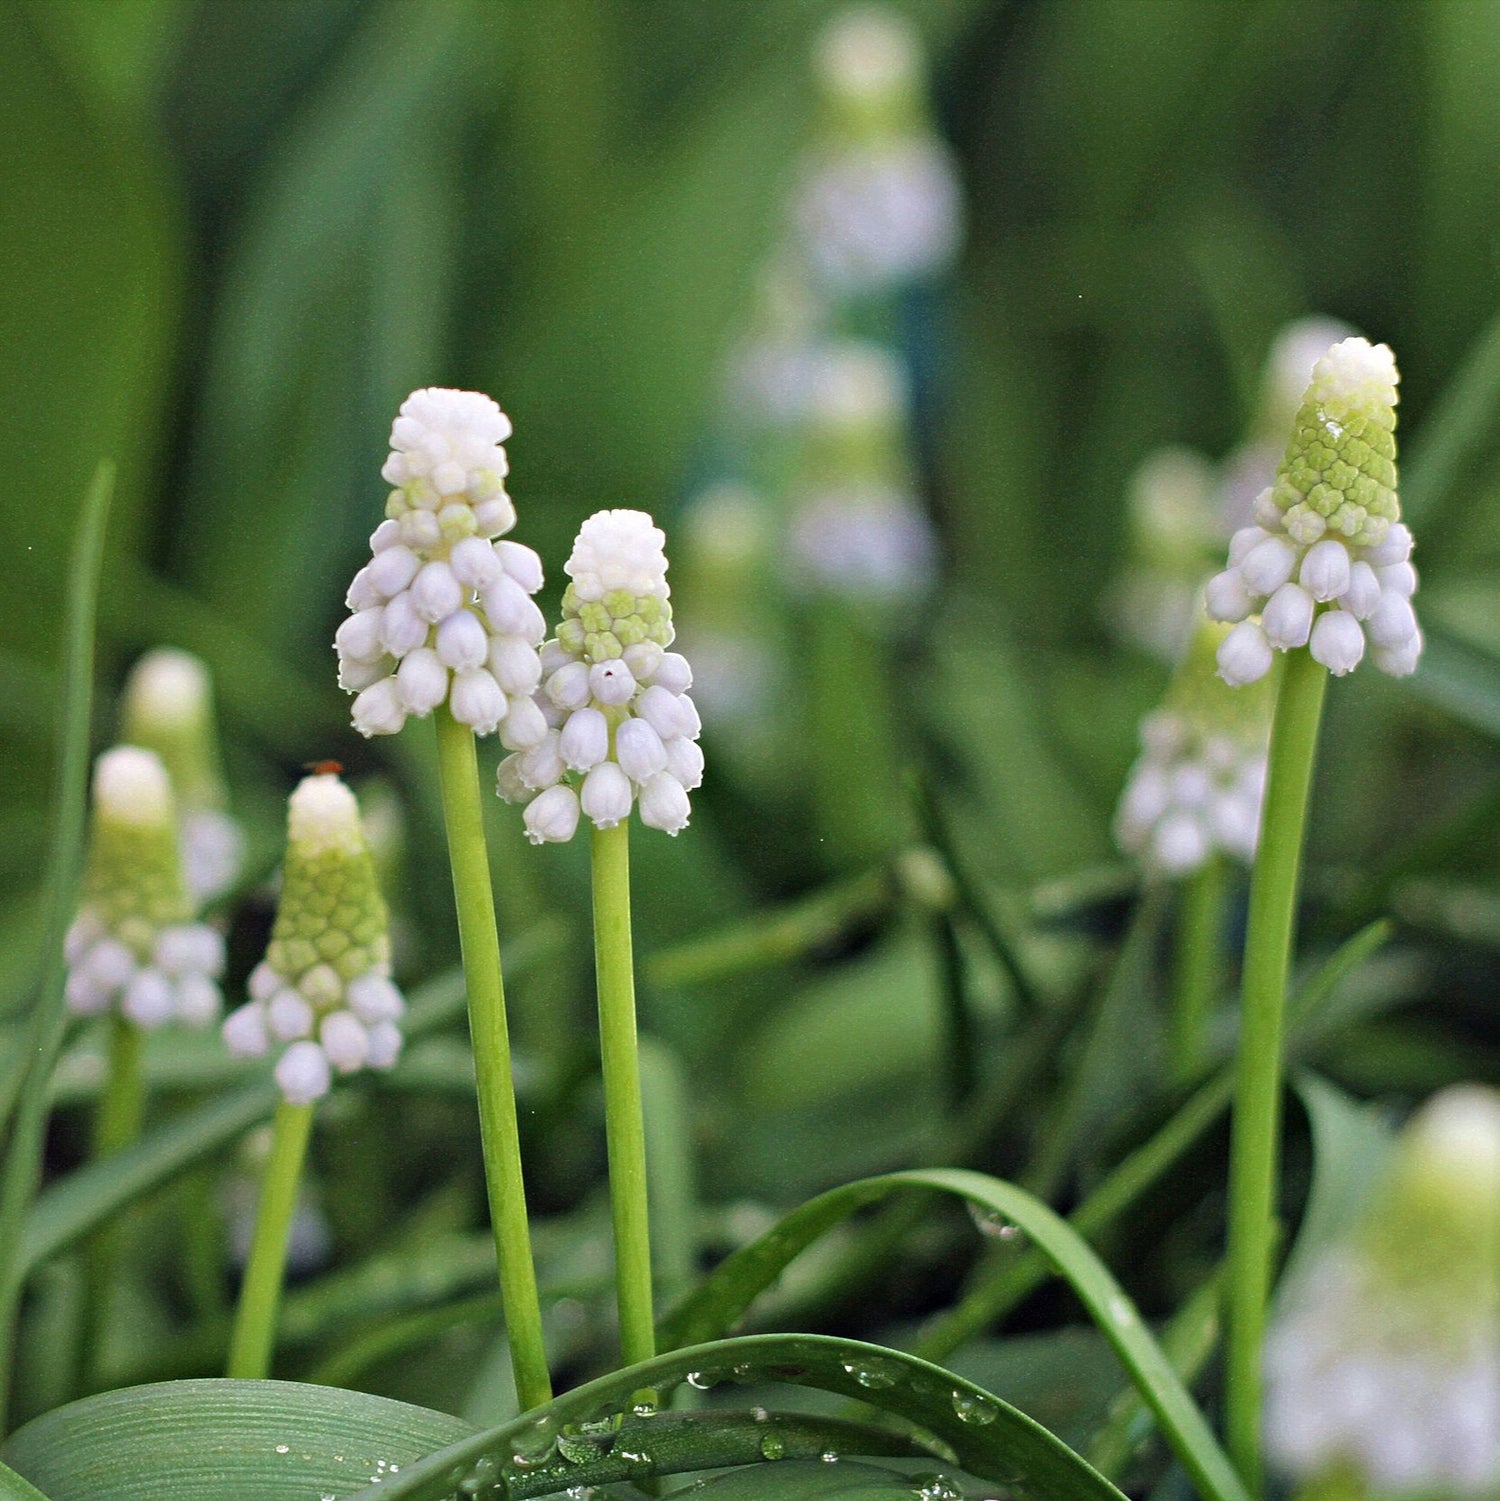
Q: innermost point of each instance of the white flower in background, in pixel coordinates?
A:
(442, 611)
(612, 712)
(1327, 564)
(168, 708)
(857, 528)
(1383, 1363)
(324, 988)
(879, 205)
(1197, 787)
(1174, 537)
(134, 945)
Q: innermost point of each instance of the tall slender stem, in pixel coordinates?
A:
(1255, 1145)
(624, 1123)
(117, 1123)
(1195, 978)
(499, 1132)
(254, 1335)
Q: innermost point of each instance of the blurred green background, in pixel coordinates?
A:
(238, 232)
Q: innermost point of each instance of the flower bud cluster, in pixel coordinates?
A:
(612, 709)
(1198, 784)
(1327, 563)
(168, 708)
(324, 987)
(134, 943)
(858, 530)
(1383, 1364)
(442, 611)
(879, 205)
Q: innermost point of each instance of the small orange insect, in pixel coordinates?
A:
(323, 768)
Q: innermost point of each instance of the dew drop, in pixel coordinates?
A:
(829, 1457)
(283, 1448)
(773, 1446)
(972, 1408)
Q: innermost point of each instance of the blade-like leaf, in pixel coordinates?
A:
(15, 1487)
(23, 1159)
(1460, 677)
(219, 1440)
(750, 1270)
(551, 1449)
(805, 1480)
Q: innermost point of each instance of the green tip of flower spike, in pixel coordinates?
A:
(168, 708)
(134, 877)
(331, 909)
(1339, 472)
(1434, 1229)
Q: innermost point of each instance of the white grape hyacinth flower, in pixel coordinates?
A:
(1196, 789)
(134, 946)
(1327, 565)
(1383, 1362)
(168, 708)
(324, 990)
(443, 612)
(616, 728)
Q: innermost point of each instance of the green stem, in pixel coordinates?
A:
(1200, 921)
(1257, 1106)
(117, 1124)
(499, 1131)
(254, 1333)
(624, 1123)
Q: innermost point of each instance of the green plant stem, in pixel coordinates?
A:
(624, 1122)
(254, 1333)
(1195, 978)
(117, 1124)
(499, 1131)
(1257, 1106)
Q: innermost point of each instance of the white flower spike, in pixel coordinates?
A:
(1326, 564)
(612, 706)
(1383, 1365)
(1198, 784)
(324, 987)
(442, 611)
(168, 708)
(134, 945)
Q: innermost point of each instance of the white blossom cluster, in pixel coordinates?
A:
(442, 611)
(1327, 564)
(1385, 1359)
(168, 704)
(134, 944)
(324, 987)
(880, 205)
(1191, 793)
(613, 701)
(858, 529)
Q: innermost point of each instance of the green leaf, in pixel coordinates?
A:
(548, 1450)
(1352, 1143)
(1460, 677)
(802, 1480)
(15, 1487)
(219, 1440)
(23, 1158)
(720, 1300)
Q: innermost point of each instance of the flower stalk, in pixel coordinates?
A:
(253, 1337)
(1255, 1147)
(479, 942)
(625, 1128)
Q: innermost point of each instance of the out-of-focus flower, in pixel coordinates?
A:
(613, 708)
(168, 708)
(442, 611)
(879, 205)
(134, 944)
(1196, 789)
(1384, 1361)
(324, 987)
(857, 528)
(1326, 565)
